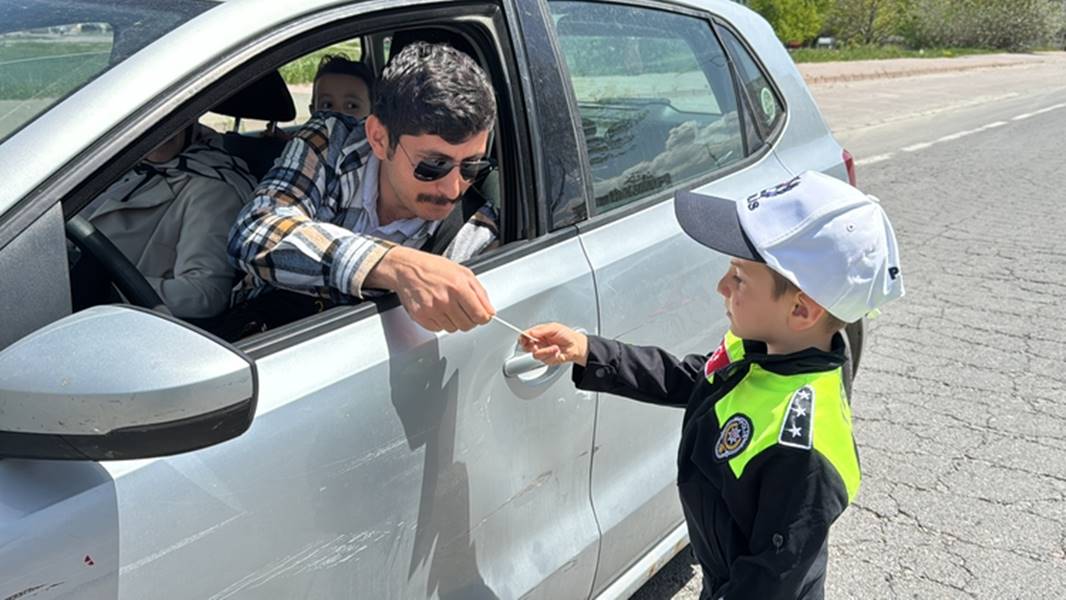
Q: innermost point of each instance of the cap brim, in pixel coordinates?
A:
(714, 222)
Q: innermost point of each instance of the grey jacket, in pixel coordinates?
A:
(174, 230)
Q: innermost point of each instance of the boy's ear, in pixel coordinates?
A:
(805, 314)
(378, 137)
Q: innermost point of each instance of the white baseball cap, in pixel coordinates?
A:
(831, 240)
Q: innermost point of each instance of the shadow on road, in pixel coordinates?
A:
(678, 579)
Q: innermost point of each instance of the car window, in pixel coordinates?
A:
(299, 76)
(765, 105)
(50, 49)
(207, 157)
(655, 95)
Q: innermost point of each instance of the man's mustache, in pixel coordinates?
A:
(436, 199)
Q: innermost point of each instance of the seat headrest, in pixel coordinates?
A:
(433, 35)
(265, 99)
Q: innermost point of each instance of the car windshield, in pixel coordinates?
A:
(51, 48)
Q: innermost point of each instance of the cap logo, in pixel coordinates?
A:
(777, 190)
(893, 273)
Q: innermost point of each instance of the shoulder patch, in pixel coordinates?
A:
(718, 359)
(797, 428)
(734, 438)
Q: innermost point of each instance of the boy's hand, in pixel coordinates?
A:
(556, 344)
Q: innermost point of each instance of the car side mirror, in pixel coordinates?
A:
(119, 382)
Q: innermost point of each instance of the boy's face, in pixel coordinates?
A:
(754, 313)
(341, 93)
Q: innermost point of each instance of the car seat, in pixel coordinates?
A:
(265, 99)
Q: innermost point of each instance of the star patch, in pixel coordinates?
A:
(734, 438)
(797, 428)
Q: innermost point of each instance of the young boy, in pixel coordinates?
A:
(767, 460)
(342, 86)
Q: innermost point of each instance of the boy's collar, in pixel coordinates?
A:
(810, 360)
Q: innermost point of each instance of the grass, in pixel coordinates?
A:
(805, 55)
(48, 69)
(303, 69)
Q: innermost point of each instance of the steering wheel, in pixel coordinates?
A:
(122, 271)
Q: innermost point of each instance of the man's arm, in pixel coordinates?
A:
(801, 495)
(437, 293)
(277, 238)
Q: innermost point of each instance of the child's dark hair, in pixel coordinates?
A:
(340, 65)
(783, 286)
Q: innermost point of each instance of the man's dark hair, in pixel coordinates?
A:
(340, 65)
(434, 89)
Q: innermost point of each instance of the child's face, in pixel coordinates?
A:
(341, 93)
(754, 313)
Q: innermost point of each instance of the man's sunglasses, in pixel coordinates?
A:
(432, 170)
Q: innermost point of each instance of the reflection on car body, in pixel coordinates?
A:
(350, 453)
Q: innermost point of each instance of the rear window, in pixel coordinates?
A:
(657, 100)
(50, 49)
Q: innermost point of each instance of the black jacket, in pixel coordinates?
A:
(763, 534)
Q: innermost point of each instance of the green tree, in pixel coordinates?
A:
(867, 21)
(1007, 24)
(794, 21)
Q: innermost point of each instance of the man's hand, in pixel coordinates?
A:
(438, 293)
(556, 344)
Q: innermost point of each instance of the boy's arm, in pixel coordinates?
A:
(800, 496)
(643, 373)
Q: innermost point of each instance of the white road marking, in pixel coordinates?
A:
(873, 159)
(1024, 116)
(955, 136)
(946, 138)
(917, 147)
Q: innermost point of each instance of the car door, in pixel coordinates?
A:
(659, 112)
(383, 461)
(388, 462)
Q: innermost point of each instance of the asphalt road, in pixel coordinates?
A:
(960, 403)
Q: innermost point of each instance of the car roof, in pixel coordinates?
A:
(70, 127)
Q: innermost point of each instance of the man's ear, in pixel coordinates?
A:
(378, 137)
(805, 314)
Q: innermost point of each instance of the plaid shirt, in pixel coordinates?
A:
(312, 224)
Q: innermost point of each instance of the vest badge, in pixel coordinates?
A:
(734, 438)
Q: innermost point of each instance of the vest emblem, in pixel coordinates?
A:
(734, 438)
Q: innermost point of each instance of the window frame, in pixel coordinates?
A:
(598, 218)
(78, 182)
(771, 136)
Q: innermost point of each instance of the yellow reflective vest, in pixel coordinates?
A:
(767, 461)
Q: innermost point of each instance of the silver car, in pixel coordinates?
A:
(352, 454)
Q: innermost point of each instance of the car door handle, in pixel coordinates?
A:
(528, 369)
(521, 364)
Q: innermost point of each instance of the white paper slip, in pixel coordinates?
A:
(517, 330)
